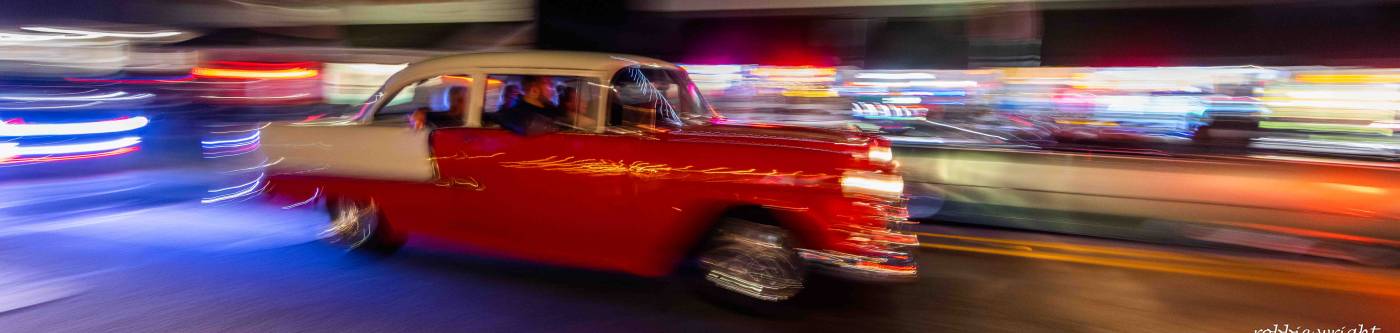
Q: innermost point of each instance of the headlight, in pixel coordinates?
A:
(870, 183)
(880, 154)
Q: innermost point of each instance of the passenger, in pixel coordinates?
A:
(568, 100)
(456, 110)
(574, 108)
(509, 96)
(535, 112)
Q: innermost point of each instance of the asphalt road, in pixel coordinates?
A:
(245, 267)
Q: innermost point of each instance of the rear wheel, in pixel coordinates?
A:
(358, 225)
(753, 260)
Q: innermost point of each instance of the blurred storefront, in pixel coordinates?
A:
(415, 24)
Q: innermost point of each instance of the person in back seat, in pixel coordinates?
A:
(510, 95)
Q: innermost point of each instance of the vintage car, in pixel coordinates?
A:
(639, 175)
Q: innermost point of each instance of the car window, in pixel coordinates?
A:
(442, 98)
(653, 97)
(569, 100)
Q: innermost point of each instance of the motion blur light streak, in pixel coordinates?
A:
(239, 150)
(896, 76)
(1387, 125)
(712, 69)
(260, 166)
(147, 80)
(17, 150)
(259, 64)
(901, 100)
(259, 128)
(1348, 78)
(457, 79)
(52, 107)
(108, 126)
(231, 147)
(314, 196)
(255, 181)
(6, 149)
(247, 190)
(926, 83)
(236, 142)
(382, 69)
(292, 96)
(112, 96)
(95, 34)
(228, 73)
(812, 93)
(61, 55)
(964, 129)
(21, 160)
(1358, 188)
(777, 71)
(1324, 161)
(1345, 94)
(41, 37)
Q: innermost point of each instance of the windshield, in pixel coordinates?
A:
(648, 97)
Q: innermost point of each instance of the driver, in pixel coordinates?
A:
(535, 112)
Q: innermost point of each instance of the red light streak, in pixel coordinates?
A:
(282, 65)
(229, 73)
(41, 159)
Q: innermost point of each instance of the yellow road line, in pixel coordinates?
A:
(1086, 248)
(1275, 267)
(1280, 278)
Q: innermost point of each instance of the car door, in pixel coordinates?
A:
(674, 194)
(558, 197)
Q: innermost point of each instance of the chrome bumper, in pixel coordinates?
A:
(862, 268)
(893, 260)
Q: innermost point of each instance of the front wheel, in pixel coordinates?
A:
(752, 259)
(358, 225)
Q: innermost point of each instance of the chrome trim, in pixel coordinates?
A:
(753, 260)
(857, 267)
(891, 248)
(352, 224)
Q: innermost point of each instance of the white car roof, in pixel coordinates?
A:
(568, 60)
